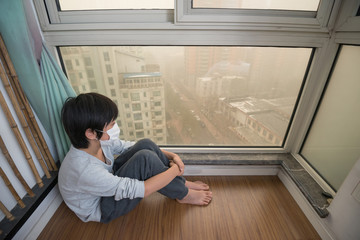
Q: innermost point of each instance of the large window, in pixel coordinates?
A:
(222, 96)
(216, 76)
(333, 143)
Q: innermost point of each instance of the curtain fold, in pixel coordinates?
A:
(46, 87)
(57, 90)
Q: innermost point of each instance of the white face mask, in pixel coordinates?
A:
(113, 132)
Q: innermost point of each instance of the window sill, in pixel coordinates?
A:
(303, 180)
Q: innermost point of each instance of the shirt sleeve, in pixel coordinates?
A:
(98, 181)
(118, 146)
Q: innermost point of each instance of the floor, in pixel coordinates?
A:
(243, 207)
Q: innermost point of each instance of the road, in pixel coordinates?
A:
(190, 125)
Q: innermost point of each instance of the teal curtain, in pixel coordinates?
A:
(57, 90)
(44, 95)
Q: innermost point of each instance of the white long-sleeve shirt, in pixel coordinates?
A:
(83, 180)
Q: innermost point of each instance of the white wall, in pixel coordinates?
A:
(18, 157)
(344, 218)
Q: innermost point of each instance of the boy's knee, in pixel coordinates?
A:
(147, 144)
(146, 154)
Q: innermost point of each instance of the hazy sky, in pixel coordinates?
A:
(116, 4)
(309, 5)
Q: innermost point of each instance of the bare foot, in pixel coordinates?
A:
(197, 185)
(196, 197)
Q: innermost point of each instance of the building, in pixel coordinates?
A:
(142, 106)
(259, 122)
(119, 72)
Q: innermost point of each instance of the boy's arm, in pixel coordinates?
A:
(160, 180)
(176, 159)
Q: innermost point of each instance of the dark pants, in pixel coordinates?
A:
(141, 161)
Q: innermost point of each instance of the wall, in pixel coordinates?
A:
(18, 157)
(344, 211)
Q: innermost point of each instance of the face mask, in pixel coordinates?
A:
(113, 132)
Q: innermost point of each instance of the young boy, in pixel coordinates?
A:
(97, 187)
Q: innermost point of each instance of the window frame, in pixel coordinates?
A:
(147, 29)
(253, 18)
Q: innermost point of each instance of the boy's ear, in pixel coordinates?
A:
(90, 134)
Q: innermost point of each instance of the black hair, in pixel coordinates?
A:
(87, 110)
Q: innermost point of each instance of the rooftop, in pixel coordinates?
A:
(272, 120)
(142, 75)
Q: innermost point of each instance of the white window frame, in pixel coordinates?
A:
(334, 24)
(52, 19)
(251, 18)
(184, 26)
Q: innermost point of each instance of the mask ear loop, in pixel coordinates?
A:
(97, 132)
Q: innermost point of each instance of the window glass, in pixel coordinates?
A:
(332, 145)
(198, 96)
(114, 4)
(305, 5)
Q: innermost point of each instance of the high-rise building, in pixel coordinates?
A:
(119, 73)
(142, 106)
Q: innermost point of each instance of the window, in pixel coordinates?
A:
(240, 84)
(108, 68)
(113, 92)
(106, 56)
(156, 93)
(135, 96)
(136, 107)
(140, 135)
(332, 144)
(90, 73)
(108, 4)
(69, 65)
(111, 81)
(137, 116)
(87, 61)
(308, 5)
(302, 14)
(93, 85)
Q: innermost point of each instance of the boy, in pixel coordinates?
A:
(97, 187)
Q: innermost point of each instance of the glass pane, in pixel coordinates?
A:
(222, 96)
(333, 143)
(304, 5)
(66, 5)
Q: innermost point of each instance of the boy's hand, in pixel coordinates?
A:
(172, 164)
(177, 160)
